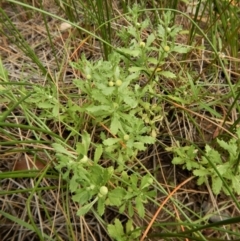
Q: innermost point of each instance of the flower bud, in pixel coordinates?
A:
(103, 191)
(166, 48)
(142, 44)
(111, 83)
(118, 82)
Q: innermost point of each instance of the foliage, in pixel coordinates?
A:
(216, 164)
(114, 98)
(116, 231)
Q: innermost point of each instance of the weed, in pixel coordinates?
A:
(128, 111)
(205, 167)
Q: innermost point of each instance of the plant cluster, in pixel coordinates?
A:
(126, 112)
(219, 165)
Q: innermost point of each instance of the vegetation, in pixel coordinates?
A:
(109, 112)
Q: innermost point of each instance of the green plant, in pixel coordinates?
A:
(126, 113)
(117, 232)
(216, 164)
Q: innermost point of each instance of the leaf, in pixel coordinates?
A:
(122, 209)
(230, 147)
(146, 181)
(167, 74)
(55, 111)
(201, 172)
(222, 169)
(115, 124)
(116, 230)
(201, 180)
(130, 101)
(111, 141)
(180, 49)
(136, 69)
(134, 180)
(213, 155)
(80, 149)
(81, 197)
(132, 31)
(140, 207)
(216, 185)
(129, 226)
(108, 91)
(117, 72)
(60, 149)
(85, 209)
(191, 163)
(147, 139)
(99, 175)
(178, 161)
(98, 153)
(35, 99)
(139, 145)
(86, 141)
(161, 31)
(145, 23)
(110, 171)
(132, 76)
(99, 96)
(236, 184)
(80, 84)
(101, 206)
(130, 209)
(132, 52)
(150, 39)
(45, 105)
(97, 110)
(73, 184)
(116, 195)
(153, 60)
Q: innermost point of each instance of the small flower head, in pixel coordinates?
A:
(166, 48)
(168, 29)
(142, 44)
(118, 82)
(110, 83)
(103, 191)
(88, 76)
